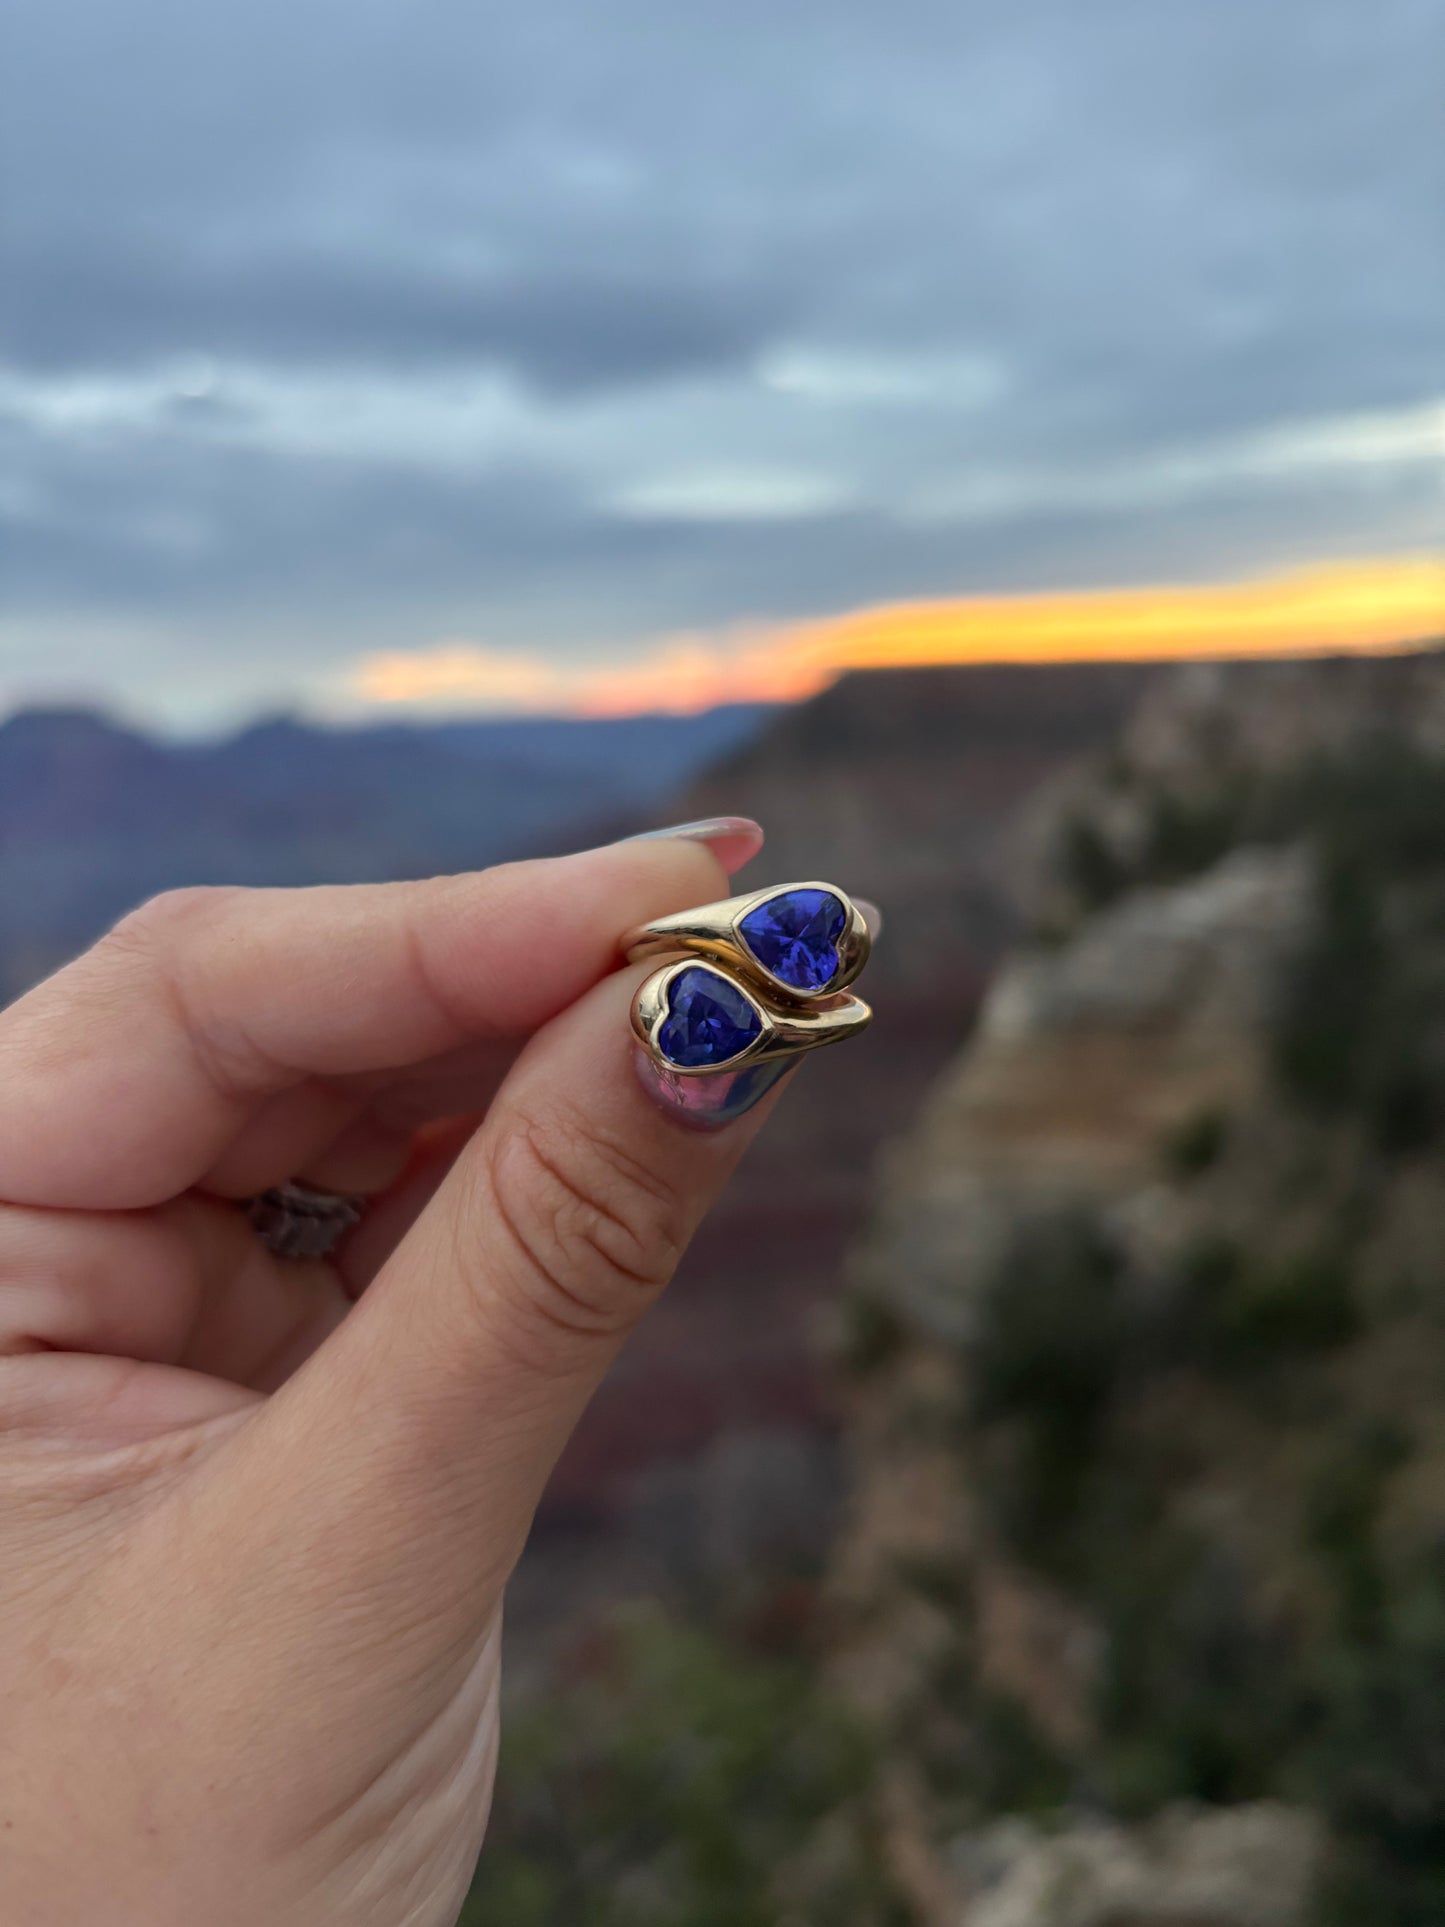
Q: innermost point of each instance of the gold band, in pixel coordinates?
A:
(749, 981)
(717, 931)
(782, 1032)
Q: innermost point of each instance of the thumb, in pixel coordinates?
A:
(403, 1463)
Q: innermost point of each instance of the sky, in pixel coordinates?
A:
(440, 354)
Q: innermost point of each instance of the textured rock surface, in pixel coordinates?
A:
(1085, 1058)
(1193, 752)
(1144, 1349)
(1250, 1866)
(1141, 1573)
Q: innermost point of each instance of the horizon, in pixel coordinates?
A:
(1380, 607)
(1342, 607)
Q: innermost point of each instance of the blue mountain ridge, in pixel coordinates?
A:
(95, 817)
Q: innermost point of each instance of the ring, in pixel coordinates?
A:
(297, 1221)
(753, 982)
(795, 940)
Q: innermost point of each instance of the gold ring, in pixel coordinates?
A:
(752, 983)
(697, 1019)
(796, 941)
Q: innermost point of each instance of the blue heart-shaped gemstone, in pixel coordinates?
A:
(708, 1020)
(795, 936)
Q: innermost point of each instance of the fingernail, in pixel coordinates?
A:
(734, 840)
(707, 829)
(709, 1103)
(871, 915)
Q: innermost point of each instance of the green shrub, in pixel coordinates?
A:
(1045, 1344)
(944, 1580)
(1012, 1767)
(1342, 1508)
(1092, 872)
(980, 1750)
(1239, 1313)
(1361, 1027)
(1187, 835)
(869, 1334)
(1379, 1771)
(1042, 1368)
(1382, 805)
(1284, 1308)
(1402, 1073)
(669, 1790)
(1199, 1697)
(1197, 1144)
(1320, 1046)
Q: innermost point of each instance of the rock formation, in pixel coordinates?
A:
(1146, 1535)
(1137, 1613)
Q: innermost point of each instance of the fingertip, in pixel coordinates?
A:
(733, 840)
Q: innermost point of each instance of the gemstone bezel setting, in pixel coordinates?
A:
(851, 942)
(783, 1031)
(793, 937)
(718, 933)
(711, 1021)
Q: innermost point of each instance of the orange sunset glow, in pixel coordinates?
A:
(1350, 607)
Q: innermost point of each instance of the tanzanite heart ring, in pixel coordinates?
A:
(754, 981)
(797, 940)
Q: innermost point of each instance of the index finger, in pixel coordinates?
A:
(126, 1075)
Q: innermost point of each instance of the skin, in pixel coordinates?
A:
(257, 1517)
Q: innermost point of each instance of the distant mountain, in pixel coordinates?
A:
(94, 818)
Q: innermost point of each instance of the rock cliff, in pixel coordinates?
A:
(1137, 1613)
(1146, 1534)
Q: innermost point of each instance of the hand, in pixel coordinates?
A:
(256, 1518)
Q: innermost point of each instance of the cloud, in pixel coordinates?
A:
(1395, 445)
(729, 495)
(89, 303)
(462, 672)
(348, 327)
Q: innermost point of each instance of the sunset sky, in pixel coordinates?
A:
(1362, 607)
(443, 355)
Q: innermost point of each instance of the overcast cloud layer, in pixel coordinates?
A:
(340, 327)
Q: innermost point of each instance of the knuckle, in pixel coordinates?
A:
(170, 943)
(158, 921)
(598, 1232)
